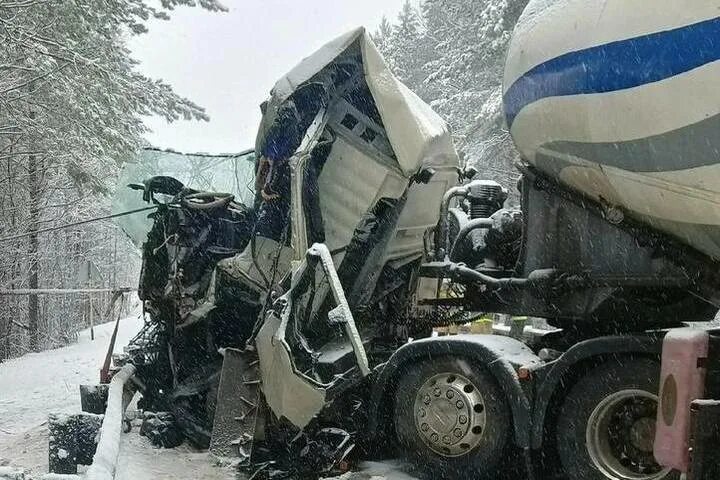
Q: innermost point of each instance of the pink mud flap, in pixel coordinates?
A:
(682, 380)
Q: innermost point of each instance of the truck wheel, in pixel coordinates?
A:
(607, 423)
(451, 417)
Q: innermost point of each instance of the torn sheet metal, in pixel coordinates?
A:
(418, 135)
(288, 394)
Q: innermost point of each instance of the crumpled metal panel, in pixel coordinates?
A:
(286, 393)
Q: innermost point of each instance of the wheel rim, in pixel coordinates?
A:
(620, 435)
(449, 413)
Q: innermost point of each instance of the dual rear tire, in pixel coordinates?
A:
(606, 427)
(452, 418)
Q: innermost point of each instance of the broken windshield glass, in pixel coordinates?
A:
(225, 173)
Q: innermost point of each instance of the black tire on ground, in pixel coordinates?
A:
(597, 387)
(483, 459)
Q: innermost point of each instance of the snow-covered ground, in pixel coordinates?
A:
(37, 384)
(139, 460)
(47, 382)
(40, 383)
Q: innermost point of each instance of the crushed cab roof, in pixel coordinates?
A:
(418, 135)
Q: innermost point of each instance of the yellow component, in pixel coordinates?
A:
(441, 331)
(482, 326)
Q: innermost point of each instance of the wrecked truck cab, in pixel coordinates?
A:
(205, 213)
(298, 370)
(368, 141)
(345, 184)
(367, 181)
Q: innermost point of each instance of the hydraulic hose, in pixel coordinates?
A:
(441, 247)
(216, 200)
(461, 272)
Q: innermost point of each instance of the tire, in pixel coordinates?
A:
(486, 431)
(606, 424)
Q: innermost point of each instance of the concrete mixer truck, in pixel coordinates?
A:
(612, 109)
(316, 346)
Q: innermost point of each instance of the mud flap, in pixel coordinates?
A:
(237, 405)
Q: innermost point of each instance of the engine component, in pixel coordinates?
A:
(485, 197)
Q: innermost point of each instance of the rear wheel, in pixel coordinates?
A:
(607, 423)
(451, 417)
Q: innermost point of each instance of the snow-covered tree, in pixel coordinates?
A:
(405, 45)
(383, 34)
(71, 111)
(456, 66)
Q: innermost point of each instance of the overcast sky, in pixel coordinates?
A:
(227, 62)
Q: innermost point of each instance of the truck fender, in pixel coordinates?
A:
(500, 355)
(645, 344)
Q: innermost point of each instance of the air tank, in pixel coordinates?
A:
(620, 100)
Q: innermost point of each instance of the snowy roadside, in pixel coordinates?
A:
(40, 383)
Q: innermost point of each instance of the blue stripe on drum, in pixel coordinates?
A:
(617, 65)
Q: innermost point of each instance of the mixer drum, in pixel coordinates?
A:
(620, 100)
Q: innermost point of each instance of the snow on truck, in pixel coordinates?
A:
(296, 332)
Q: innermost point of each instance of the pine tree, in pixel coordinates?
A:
(406, 46)
(458, 70)
(71, 112)
(382, 35)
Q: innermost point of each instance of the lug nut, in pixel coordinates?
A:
(457, 432)
(424, 427)
(434, 437)
(426, 399)
(422, 413)
(462, 419)
(446, 439)
(450, 394)
(437, 392)
(459, 404)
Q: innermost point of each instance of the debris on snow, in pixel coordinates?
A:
(56, 375)
(162, 431)
(11, 473)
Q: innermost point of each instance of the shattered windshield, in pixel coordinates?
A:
(223, 173)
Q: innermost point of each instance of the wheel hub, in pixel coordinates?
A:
(642, 434)
(620, 435)
(449, 414)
